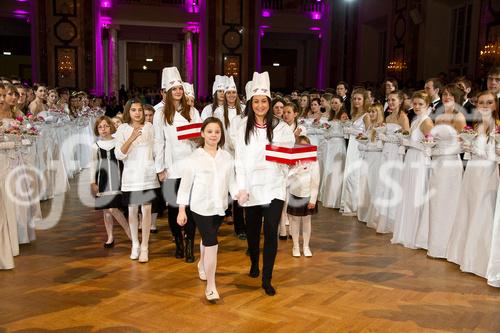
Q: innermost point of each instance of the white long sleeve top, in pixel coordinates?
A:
(207, 112)
(263, 180)
(169, 151)
(206, 182)
(303, 180)
(138, 164)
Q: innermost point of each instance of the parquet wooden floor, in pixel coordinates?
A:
(355, 282)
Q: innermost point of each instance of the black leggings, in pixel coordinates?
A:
(271, 214)
(208, 227)
(170, 188)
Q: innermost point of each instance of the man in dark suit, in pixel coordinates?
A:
(433, 88)
(466, 86)
(342, 90)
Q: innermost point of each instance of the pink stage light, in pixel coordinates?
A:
(106, 3)
(316, 15)
(315, 28)
(266, 13)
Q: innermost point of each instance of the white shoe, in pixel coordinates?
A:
(134, 255)
(201, 272)
(212, 295)
(296, 252)
(143, 257)
(307, 252)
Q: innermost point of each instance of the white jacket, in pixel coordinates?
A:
(263, 180)
(138, 164)
(303, 180)
(206, 182)
(169, 151)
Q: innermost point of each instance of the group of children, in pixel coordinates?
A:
(142, 161)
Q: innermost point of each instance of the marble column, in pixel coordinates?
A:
(113, 61)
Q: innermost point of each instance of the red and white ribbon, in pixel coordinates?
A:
(286, 155)
(189, 131)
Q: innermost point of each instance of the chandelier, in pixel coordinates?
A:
(397, 66)
(65, 65)
(490, 54)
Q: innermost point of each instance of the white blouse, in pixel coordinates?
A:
(303, 180)
(263, 180)
(206, 182)
(138, 164)
(169, 151)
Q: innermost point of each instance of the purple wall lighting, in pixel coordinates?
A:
(316, 15)
(193, 27)
(193, 6)
(315, 28)
(105, 21)
(266, 13)
(22, 0)
(106, 3)
(20, 12)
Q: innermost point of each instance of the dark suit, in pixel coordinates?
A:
(469, 112)
(437, 109)
(347, 105)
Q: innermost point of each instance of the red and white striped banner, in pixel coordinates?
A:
(189, 131)
(285, 155)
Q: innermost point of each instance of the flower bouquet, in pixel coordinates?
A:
(362, 138)
(468, 134)
(380, 128)
(346, 125)
(402, 135)
(428, 142)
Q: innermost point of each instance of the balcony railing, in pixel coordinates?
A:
(153, 2)
(293, 5)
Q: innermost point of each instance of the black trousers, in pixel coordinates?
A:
(239, 219)
(208, 227)
(269, 215)
(169, 189)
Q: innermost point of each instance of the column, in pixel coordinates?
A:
(113, 62)
(188, 56)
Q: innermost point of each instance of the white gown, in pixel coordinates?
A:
(493, 270)
(350, 186)
(444, 184)
(333, 166)
(470, 240)
(412, 219)
(387, 201)
(369, 175)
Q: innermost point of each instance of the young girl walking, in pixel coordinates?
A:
(107, 172)
(206, 179)
(303, 182)
(134, 146)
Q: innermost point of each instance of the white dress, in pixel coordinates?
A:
(493, 271)
(350, 186)
(444, 184)
(470, 240)
(333, 166)
(368, 178)
(412, 219)
(387, 200)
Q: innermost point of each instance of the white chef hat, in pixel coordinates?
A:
(260, 85)
(188, 89)
(248, 90)
(219, 84)
(230, 84)
(170, 77)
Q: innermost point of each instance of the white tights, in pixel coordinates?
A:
(108, 222)
(133, 216)
(208, 262)
(295, 229)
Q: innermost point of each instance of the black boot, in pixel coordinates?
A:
(268, 288)
(179, 247)
(189, 250)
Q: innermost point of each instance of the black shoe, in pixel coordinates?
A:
(189, 250)
(109, 245)
(268, 288)
(179, 247)
(242, 236)
(254, 271)
(154, 231)
(283, 237)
